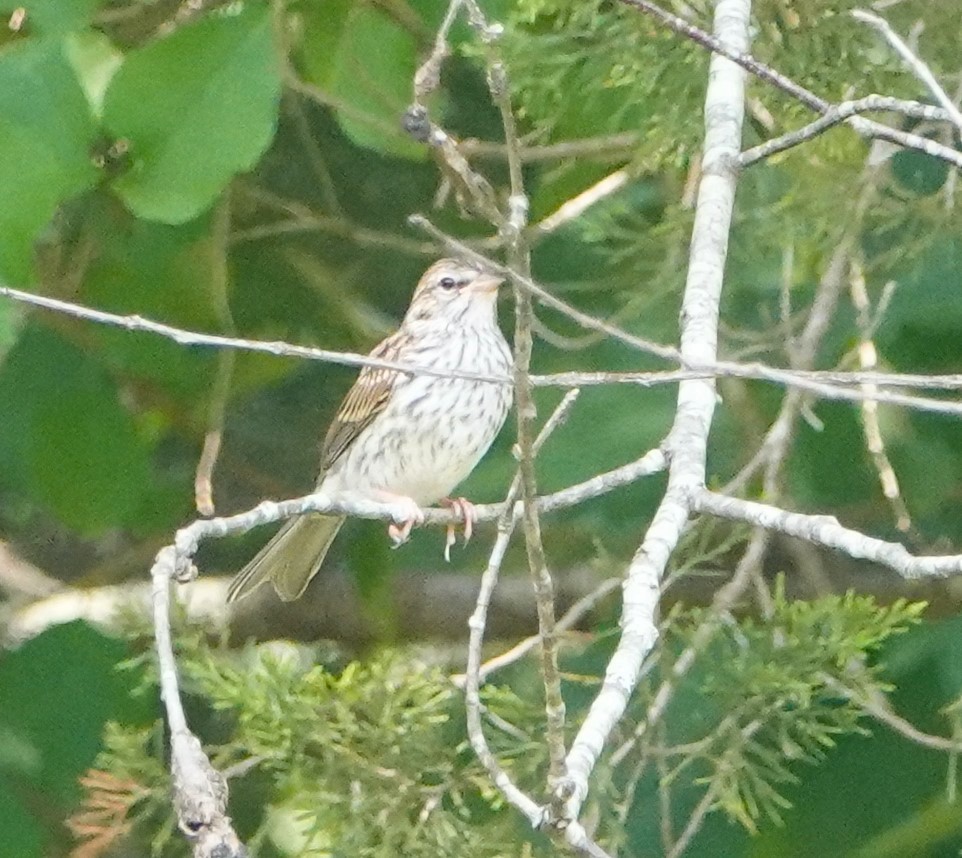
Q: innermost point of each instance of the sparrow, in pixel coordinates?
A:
(404, 439)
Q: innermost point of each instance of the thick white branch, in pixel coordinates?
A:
(687, 442)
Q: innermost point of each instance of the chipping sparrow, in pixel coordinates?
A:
(406, 440)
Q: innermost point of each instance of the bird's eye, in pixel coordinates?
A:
(447, 283)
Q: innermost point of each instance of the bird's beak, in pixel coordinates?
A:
(486, 283)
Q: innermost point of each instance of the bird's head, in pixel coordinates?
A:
(453, 291)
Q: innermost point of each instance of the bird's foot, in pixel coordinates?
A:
(406, 514)
(467, 512)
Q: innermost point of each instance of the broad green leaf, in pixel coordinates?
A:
(52, 16)
(95, 60)
(919, 173)
(45, 136)
(58, 690)
(323, 30)
(366, 62)
(197, 107)
(65, 439)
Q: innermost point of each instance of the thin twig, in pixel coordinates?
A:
(303, 218)
(826, 384)
(315, 156)
(513, 229)
(802, 354)
(477, 624)
(814, 102)
(220, 392)
(614, 146)
(877, 706)
(871, 429)
(837, 114)
(193, 338)
(569, 620)
(918, 67)
(578, 205)
(695, 821)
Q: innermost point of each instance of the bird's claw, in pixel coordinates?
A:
(407, 514)
(467, 512)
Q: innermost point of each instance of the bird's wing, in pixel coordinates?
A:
(364, 401)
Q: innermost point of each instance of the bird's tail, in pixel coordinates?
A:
(290, 559)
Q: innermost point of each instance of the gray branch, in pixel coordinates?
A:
(688, 439)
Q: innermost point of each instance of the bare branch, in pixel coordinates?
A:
(613, 147)
(878, 707)
(519, 256)
(825, 384)
(220, 393)
(578, 205)
(918, 67)
(302, 218)
(477, 624)
(687, 441)
(837, 114)
(826, 531)
(193, 338)
(200, 791)
(815, 102)
(571, 618)
(871, 428)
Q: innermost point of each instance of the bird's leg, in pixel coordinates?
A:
(467, 512)
(406, 514)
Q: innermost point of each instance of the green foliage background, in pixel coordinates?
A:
(246, 173)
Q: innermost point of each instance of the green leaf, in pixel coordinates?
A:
(919, 173)
(323, 30)
(366, 62)
(197, 107)
(95, 60)
(45, 136)
(65, 438)
(46, 688)
(52, 16)
(58, 691)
